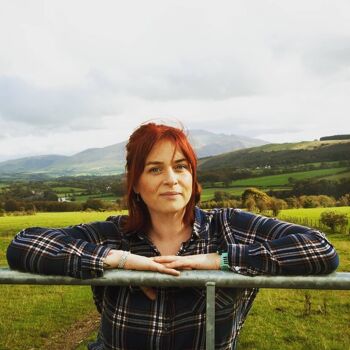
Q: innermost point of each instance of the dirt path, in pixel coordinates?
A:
(71, 338)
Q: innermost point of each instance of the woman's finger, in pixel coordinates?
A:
(183, 263)
(163, 269)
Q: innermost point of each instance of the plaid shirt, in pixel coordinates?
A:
(176, 319)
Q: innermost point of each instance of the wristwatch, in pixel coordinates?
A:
(224, 266)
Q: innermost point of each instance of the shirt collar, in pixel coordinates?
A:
(199, 225)
(199, 222)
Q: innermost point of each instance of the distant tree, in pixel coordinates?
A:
(118, 188)
(276, 205)
(261, 205)
(344, 200)
(335, 137)
(221, 195)
(241, 174)
(333, 220)
(208, 176)
(293, 202)
(94, 203)
(250, 204)
(256, 195)
(309, 202)
(12, 205)
(326, 201)
(50, 196)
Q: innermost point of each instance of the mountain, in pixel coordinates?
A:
(111, 159)
(209, 144)
(280, 155)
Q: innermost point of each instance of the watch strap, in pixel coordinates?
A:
(224, 265)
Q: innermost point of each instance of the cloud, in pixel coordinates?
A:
(52, 107)
(329, 55)
(90, 73)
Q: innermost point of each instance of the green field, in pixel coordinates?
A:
(208, 193)
(337, 177)
(282, 180)
(312, 213)
(31, 316)
(310, 216)
(67, 189)
(105, 197)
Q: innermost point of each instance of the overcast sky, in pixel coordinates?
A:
(81, 74)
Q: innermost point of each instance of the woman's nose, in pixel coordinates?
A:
(171, 177)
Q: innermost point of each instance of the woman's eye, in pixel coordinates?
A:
(154, 170)
(181, 167)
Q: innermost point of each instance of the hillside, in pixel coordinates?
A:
(111, 159)
(280, 155)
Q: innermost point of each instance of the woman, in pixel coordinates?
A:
(166, 232)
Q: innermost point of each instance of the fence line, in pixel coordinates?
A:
(333, 281)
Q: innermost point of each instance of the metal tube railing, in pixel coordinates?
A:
(208, 279)
(198, 278)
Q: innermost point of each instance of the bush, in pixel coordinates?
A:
(12, 205)
(317, 201)
(230, 203)
(250, 204)
(344, 201)
(293, 202)
(334, 220)
(94, 204)
(221, 196)
(276, 205)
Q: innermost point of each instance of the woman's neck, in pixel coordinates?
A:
(169, 227)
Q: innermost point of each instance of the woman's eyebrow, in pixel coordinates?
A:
(181, 160)
(155, 162)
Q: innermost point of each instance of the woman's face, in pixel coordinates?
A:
(166, 182)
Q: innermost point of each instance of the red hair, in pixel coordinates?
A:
(138, 148)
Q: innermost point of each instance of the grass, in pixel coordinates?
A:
(208, 193)
(337, 177)
(312, 214)
(279, 320)
(67, 189)
(13, 224)
(104, 197)
(32, 315)
(282, 179)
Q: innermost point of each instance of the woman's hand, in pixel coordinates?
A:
(141, 263)
(136, 262)
(190, 262)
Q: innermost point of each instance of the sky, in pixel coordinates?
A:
(82, 74)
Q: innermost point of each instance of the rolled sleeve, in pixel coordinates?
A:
(270, 246)
(76, 251)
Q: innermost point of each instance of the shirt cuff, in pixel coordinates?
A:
(92, 260)
(238, 256)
